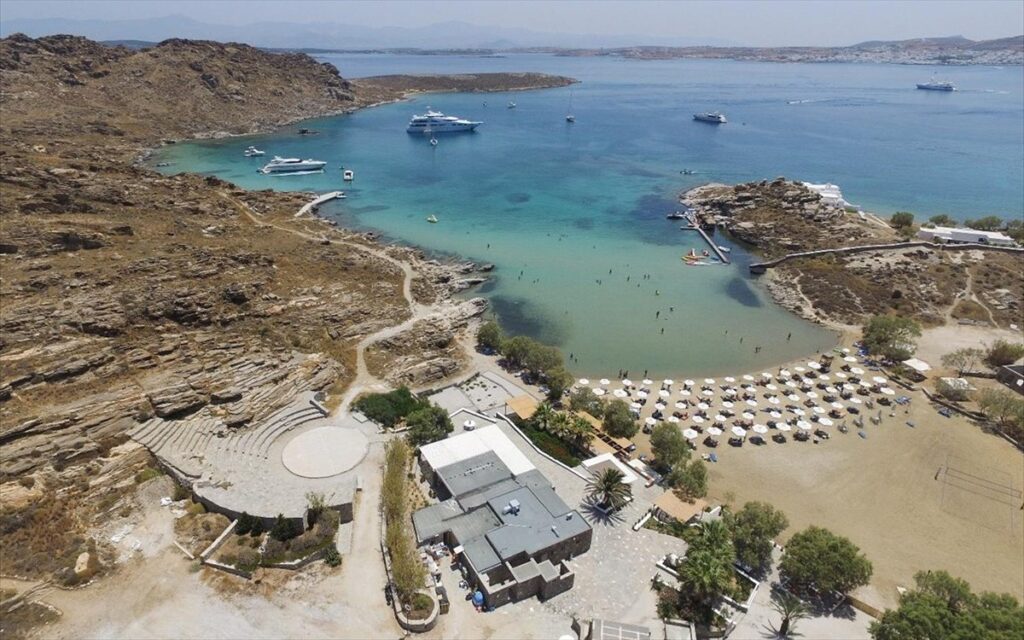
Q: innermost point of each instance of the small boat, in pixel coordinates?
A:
(252, 152)
(511, 105)
(348, 175)
(570, 118)
(432, 219)
(687, 172)
(935, 85)
(713, 117)
(724, 249)
(676, 215)
(433, 142)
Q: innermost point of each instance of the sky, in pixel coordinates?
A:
(754, 23)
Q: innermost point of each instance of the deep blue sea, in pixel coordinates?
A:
(573, 215)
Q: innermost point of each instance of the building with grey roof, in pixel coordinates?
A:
(513, 533)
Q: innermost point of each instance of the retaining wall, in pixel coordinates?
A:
(761, 267)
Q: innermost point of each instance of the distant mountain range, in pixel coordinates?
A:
(335, 36)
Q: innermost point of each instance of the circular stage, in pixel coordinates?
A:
(324, 452)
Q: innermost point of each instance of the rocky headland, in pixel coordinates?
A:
(778, 217)
(129, 295)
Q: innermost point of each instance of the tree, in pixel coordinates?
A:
(689, 479)
(516, 350)
(541, 358)
(427, 425)
(1002, 352)
(542, 416)
(704, 575)
(902, 219)
(817, 558)
(558, 380)
(490, 336)
(608, 489)
(245, 522)
(618, 421)
(754, 527)
(891, 336)
(284, 529)
(792, 609)
(942, 220)
(1001, 406)
(316, 504)
(942, 606)
(583, 399)
(963, 360)
(669, 445)
(1015, 229)
(988, 223)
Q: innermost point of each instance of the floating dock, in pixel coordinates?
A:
(319, 200)
(695, 226)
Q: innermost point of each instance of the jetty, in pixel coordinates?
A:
(694, 225)
(319, 200)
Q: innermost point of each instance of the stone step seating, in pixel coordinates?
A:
(257, 442)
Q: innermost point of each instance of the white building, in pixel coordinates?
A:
(830, 194)
(959, 236)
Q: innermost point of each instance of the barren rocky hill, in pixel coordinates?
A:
(127, 294)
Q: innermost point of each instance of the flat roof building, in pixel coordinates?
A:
(962, 235)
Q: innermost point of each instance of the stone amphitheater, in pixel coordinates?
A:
(263, 442)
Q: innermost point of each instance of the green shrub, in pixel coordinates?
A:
(180, 493)
(388, 409)
(331, 557)
(147, 474)
(245, 522)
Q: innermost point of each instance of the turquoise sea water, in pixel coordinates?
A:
(568, 212)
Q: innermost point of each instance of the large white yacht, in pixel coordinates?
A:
(292, 165)
(433, 122)
(710, 116)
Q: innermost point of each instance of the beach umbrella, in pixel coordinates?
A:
(739, 431)
(760, 428)
(771, 387)
(879, 379)
(626, 382)
(856, 400)
(605, 382)
(707, 392)
(799, 369)
(642, 395)
(685, 393)
(714, 431)
(729, 392)
(773, 400)
(647, 382)
(775, 415)
(865, 384)
(751, 403)
(635, 406)
(857, 371)
(840, 375)
(703, 406)
(747, 415)
(824, 377)
(803, 424)
(667, 382)
(812, 394)
(698, 419)
(887, 391)
(598, 392)
(765, 374)
(831, 389)
(709, 381)
(729, 379)
(478, 598)
(799, 412)
(819, 411)
(650, 421)
(785, 373)
(664, 394)
(748, 377)
(791, 384)
(782, 426)
(728, 405)
(690, 434)
(584, 381)
(814, 365)
(719, 417)
(660, 406)
(849, 359)
(825, 422)
(837, 405)
(673, 419)
(620, 393)
(793, 397)
(688, 382)
(681, 405)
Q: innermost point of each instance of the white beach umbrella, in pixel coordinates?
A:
(642, 395)
(812, 394)
(856, 401)
(688, 382)
(751, 403)
(782, 426)
(598, 392)
(703, 406)
(605, 382)
(682, 405)
(803, 424)
(845, 350)
(719, 418)
(690, 434)
(650, 421)
(840, 375)
(793, 397)
(747, 415)
(771, 387)
(857, 371)
(765, 374)
(584, 381)
(831, 389)
(785, 373)
(667, 382)
(684, 393)
(773, 400)
(697, 419)
(760, 428)
(620, 393)
(660, 406)
(849, 359)
(729, 392)
(775, 415)
(814, 365)
(739, 431)
(647, 382)
(824, 377)
(664, 394)
(626, 382)
(825, 422)
(635, 406)
(673, 419)
(729, 379)
(818, 410)
(799, 412)
(709, 381)
(791, 384)
(879, 379)
(837, 405)
(728, 405)
(887, 391)
(707, 392)
(748, 377)
(799, 369)
(714, 431)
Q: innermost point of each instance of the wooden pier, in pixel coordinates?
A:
(312, 206)
(695, 226)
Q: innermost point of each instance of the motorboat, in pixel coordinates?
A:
(281, 165)
(676, 215)
(713, 117)
(433, 122)
(570, 118)
(432, 219)
(348, 175)
(935, 85)
(252, 152)
(511, 105)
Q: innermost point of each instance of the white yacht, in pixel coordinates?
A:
(292, 165)
(934, 85)
(713, 117)
(433, 122)
(252, 152)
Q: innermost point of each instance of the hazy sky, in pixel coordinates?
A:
(765, 22)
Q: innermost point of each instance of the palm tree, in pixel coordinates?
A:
(543, 416)
(705, 574)
(714, 536)
(791, 609)
(608, 488)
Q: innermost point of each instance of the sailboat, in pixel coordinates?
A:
(432, 219)
(433, 140)
(569, 117)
